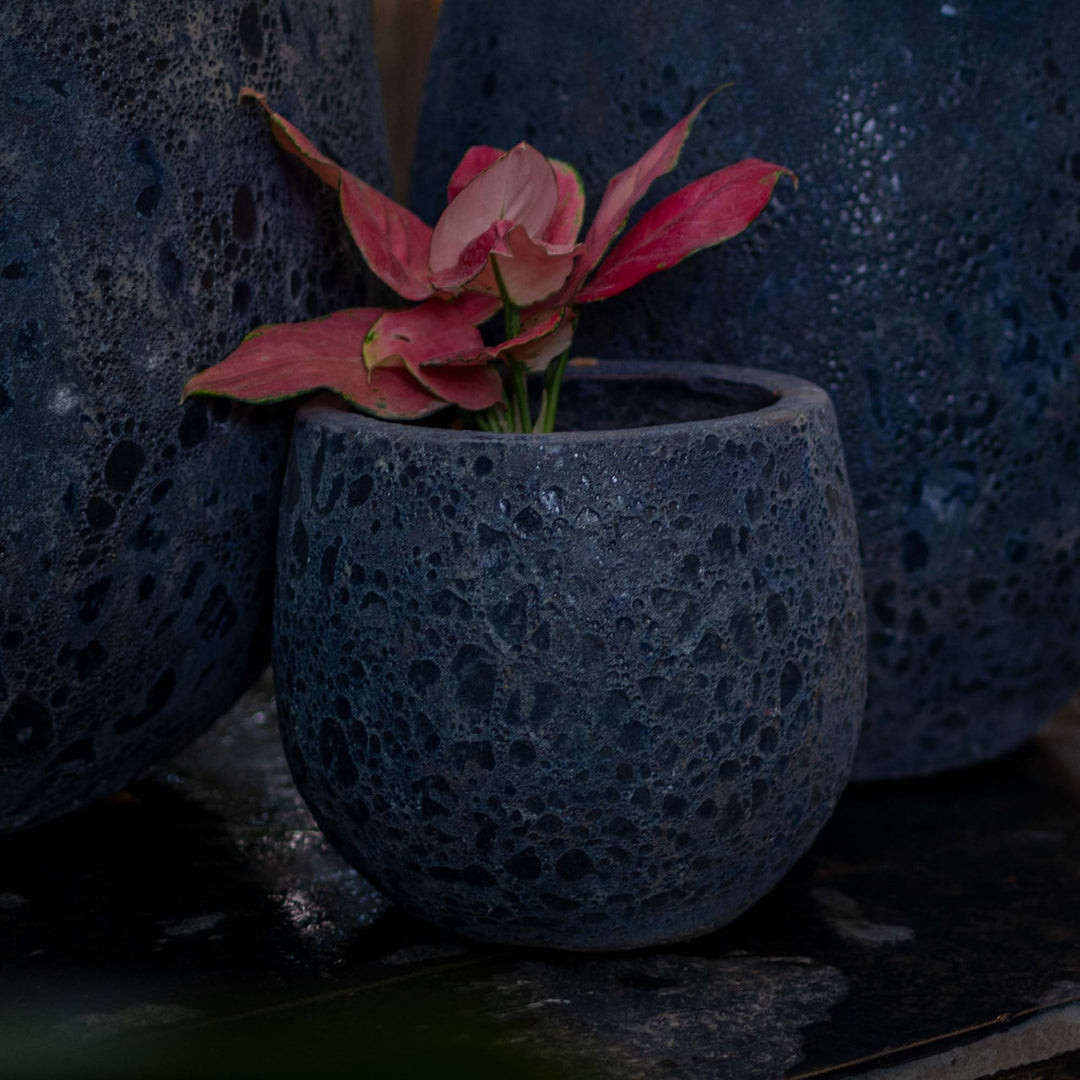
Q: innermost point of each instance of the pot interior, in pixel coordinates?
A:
(607, 402)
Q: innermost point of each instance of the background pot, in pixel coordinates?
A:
(593, 689)
(925, 274)
(148, 222)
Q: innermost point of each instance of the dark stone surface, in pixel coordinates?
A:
(199, 924)
(148, 222)
(925, 273)
(591, 690)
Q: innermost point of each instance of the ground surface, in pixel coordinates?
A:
(199, 923)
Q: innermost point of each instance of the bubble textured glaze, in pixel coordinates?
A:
(148, 222)
(597, 689)
(926, 274)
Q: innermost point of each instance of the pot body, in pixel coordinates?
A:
(925, 273)
(589, 690)
(148, 221)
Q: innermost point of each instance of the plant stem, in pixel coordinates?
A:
(490, 419)
(538, 427)
(519, 407)
(521, 396)
(552, 386)
(511, 312)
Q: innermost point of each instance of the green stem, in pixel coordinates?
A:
(553, 384)
(521, 396)
(541, 418)
(519, 408)
(511, 312)
(491, 419)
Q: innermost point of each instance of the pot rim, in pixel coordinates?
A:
(794, 398)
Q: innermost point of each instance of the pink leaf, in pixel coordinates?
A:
(565, 223)
(532, 270)
(537, 353)
(393, 240)
(625, 189)
(295, 142)
(440, 349)
(569, 210)
(706, 212)
(473, 307)
(390, 393)
(537, 324)
(545, 334)
(473, 386)
(434, 332)
(475, 161)
(520, 188)
(284, 361)
(472, 264)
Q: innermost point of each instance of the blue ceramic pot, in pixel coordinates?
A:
(926, 273)
(596, 689)
(148, 221)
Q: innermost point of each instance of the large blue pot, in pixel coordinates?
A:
(926, 273)
(148, 221)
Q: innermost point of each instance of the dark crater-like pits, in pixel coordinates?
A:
(136, 556)
(926, 273)
(596, 689)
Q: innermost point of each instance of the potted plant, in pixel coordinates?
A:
(589, 689)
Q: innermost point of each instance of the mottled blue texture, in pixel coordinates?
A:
(591, 690)
(148, 221)
(925, 273)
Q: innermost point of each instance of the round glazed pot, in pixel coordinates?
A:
(926, 273)
(596, 689)
(148, 222)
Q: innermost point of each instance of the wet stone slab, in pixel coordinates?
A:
(199, 921)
